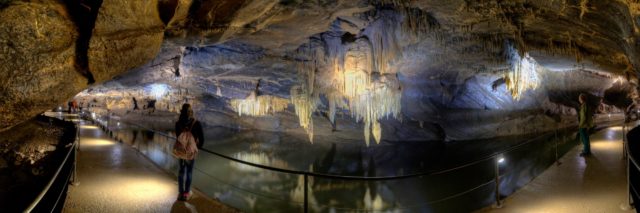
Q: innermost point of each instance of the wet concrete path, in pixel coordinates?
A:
(595, 183)
(114, 177)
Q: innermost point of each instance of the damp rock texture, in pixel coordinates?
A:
(37, 50)
(127, 34)
(48, 53)
(28, 159)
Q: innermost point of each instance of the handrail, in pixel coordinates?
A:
(495, 156)
(631, 160)
(628, 151)
(380, 178)
(54, 177)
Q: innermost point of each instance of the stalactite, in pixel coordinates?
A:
(418, 22)
(305, 104)
(384, 44)
(218, 91)
(583, 7)
(259, 105)
(357, 76)
(524, 73)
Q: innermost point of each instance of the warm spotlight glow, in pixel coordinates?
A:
(615, 128)
(135, 188)
(95, 142)
(88, 127)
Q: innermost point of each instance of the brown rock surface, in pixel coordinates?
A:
(127, 34)
(37, 49)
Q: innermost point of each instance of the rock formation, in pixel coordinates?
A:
(380, 69)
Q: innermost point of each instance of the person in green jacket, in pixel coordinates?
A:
(585, 123)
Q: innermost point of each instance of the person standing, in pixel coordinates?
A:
(135, 104)
(585, 123)
(187, 122)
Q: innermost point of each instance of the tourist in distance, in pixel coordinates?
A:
(190, 135)
(585, 123)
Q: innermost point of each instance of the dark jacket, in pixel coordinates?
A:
(196, 131)
(586, 118)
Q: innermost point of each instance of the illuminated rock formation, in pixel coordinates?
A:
(260, 105)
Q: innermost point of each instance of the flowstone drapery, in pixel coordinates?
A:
(356, 75)
(259, 105)
(524, 74)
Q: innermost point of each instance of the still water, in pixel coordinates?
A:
(253, 189)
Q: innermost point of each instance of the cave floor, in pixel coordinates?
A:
(591, 184)
(116, 178)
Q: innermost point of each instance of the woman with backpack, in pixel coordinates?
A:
(190, 139)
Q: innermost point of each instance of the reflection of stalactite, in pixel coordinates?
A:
(372, 204)
(259, 158)
(260, 105)
(298, 192)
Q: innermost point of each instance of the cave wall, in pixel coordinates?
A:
(37, 50)
(445, 57)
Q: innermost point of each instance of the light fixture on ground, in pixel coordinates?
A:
(501, 160)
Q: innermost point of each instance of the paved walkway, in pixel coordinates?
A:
(593, 184)
(116, 178)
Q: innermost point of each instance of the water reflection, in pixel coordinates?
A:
(157, 149)
(253, 189)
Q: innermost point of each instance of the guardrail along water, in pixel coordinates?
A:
(260, 182)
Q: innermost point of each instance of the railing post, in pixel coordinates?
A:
(498, 202)
(629, 200)
(624, 140)
(556, 144)
(76, 147)
(628, 205)
(306, 196)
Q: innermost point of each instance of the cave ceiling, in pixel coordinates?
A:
(431, 49)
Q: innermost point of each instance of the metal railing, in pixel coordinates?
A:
(495, 158)
(52, 197)
(633, 169)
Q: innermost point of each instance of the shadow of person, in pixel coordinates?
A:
(182, 207)
(593, 169)
(201, 204)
